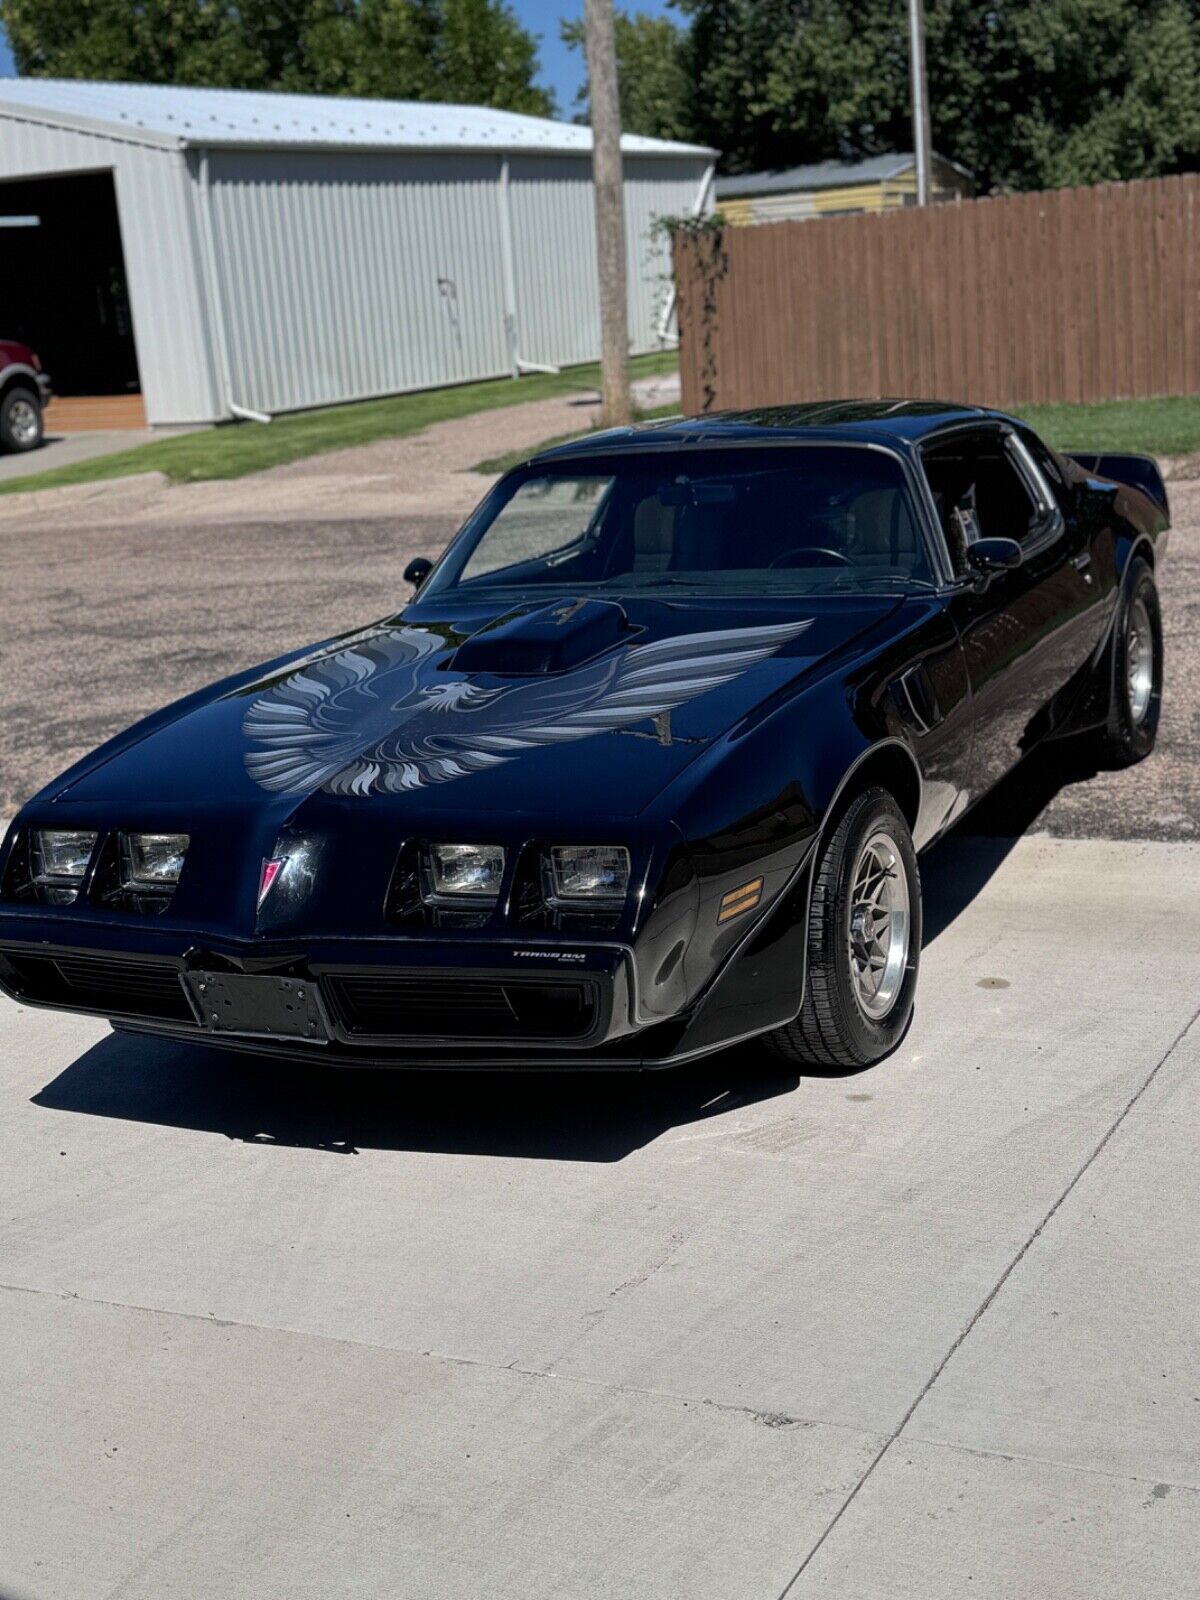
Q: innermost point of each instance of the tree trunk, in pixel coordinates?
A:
(610, 209)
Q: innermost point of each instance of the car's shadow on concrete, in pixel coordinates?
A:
(555, 1116)
(960, 866)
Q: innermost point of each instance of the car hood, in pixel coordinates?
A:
(581, 704)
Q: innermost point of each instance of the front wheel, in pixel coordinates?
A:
(20, 420)
(864, 941)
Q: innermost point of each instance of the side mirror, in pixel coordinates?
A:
(986, 557)
(417, 570)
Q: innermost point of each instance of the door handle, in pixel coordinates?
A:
(1082, 561)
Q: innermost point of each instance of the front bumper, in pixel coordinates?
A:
(45, 387)
(428, 1004)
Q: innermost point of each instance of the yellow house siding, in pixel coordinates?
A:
(736, 212)
(855, 197)
(872, 195)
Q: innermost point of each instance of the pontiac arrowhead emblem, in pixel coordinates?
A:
(270, 871)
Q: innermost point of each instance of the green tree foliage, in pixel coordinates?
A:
(656, 89)
(1026, 93)
(463, 51)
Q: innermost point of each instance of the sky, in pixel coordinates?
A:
(562, 69)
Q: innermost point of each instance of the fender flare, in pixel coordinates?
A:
(827, 817)
(1140, 542)
(17, 369)
(801, 880)
(1136, 545)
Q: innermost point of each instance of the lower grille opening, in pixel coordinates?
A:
(99, 983)
(412, 1005)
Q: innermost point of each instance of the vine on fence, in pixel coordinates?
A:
(703, 238)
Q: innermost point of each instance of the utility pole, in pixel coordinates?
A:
(601, 50)
(920, 98)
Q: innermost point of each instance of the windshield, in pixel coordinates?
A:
(743, 521)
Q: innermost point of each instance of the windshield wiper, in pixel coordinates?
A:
(864, 585)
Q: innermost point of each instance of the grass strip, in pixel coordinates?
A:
(235, 449)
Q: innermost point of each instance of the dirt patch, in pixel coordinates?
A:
(425, 474)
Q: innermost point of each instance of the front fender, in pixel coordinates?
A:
(759, 984)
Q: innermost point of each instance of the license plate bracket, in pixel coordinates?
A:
(258, 1005)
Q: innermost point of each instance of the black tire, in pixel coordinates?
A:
(833, 1030)
(20, 419)
(1131, 729)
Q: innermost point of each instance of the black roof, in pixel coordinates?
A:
(867, 421)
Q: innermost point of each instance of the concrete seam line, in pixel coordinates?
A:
(412, 1353)
(1045, 1461)
(988, 1300)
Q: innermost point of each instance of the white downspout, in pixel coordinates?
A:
(218, 303)
(699, 205)
(509, 275)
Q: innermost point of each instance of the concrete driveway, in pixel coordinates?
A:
(928, 1330)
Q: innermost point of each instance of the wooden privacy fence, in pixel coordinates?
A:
(1074, 294)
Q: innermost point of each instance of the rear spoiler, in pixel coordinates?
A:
(1137, 472)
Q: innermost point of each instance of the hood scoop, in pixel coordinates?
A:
(545, 639)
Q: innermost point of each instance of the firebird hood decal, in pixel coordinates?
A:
(368, 720)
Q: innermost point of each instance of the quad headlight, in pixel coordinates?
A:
(151, 862)
(466, 871)
(59, 861)
(589, 873)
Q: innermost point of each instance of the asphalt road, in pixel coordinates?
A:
(925, 1331)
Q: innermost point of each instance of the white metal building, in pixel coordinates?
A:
(232, 252)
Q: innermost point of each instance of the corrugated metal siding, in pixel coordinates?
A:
(654, 188)
(160, 261)
(355, 275)
(554, 244)
(359, 274)
(554, 259)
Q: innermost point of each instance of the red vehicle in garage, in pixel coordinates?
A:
(24, 390)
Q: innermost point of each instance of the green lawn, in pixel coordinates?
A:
(232, 451)
(1169, 426)
(1165, 427)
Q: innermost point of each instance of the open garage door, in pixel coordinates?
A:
(62, 282)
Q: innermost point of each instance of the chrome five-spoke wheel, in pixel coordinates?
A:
(879, 925)
(864, 940)
(1139, 660)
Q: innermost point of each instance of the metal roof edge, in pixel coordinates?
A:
(41, 111)
(666, 151)
(17, 111)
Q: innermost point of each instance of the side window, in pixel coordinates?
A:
(980, 493)
(1045, 463)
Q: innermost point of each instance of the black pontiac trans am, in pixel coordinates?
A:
(642, 769)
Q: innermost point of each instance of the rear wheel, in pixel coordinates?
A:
(864, 941)
(1137, 671)
(20, 420)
